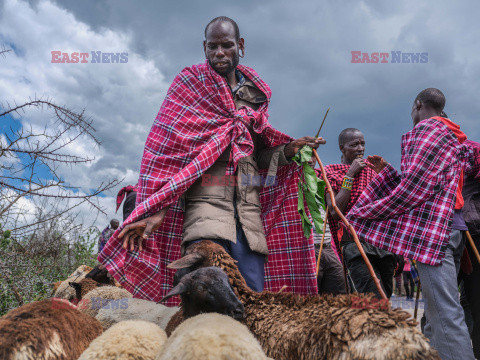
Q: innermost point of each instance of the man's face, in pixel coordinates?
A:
(221, 48)
(354, 147)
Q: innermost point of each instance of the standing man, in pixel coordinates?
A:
(348, 180)
(204, 152)
(411, 214)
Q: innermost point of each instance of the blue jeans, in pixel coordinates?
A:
(445, 326)
(250, 263)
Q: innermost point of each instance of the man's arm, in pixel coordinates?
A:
(343, 196)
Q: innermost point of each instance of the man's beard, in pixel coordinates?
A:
(229, 69)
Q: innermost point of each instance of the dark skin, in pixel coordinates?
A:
(420, 111)
(222, 51)
(352, 150)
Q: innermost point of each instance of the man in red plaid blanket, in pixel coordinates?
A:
(200, 179)
(348, 180)
(411, 215)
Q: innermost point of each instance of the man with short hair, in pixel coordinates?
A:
(206, 151)
(411, 215)
(348, 180)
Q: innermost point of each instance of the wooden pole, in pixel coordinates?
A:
(349, 227)
(415, 313)
(323, 239)
(472, 244)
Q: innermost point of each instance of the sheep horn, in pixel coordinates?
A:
(186, 261)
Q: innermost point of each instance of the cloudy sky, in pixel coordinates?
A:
(301, 48)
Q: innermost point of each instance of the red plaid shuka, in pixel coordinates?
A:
(335, 174)
(411, 214)
(196, 123)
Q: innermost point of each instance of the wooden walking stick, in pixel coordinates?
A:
(323, 239)
(349, 227)
(472, 244)
(415, 313)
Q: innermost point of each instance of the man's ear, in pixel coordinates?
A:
(418, 105)
(241, 44)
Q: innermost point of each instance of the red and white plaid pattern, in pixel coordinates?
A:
(196, 123)
(335, 174)
(411, 214)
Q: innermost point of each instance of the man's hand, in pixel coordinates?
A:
(377, 163)
(292, 148)
(141, 230)
(357, 166)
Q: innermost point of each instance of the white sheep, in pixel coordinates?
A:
(133, 339)
(64, 290)
(105, 297)
(136, 309)
(211, 337)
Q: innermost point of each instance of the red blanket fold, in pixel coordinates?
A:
(196, 123)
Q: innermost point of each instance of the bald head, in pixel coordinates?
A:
(224, 19)
(432, 98)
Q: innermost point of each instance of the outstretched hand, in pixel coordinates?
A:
(141, 230)
(376, 162)
(292, 148)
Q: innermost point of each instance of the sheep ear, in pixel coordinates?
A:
(186, 261)
(177, 290)
(75, 285)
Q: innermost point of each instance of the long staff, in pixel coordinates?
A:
(323, 239)
(349, 227)
(472, 244)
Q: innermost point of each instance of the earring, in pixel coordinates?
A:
(242, 54)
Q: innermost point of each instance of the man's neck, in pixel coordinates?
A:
(231, 79)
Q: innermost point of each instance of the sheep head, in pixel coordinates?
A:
(207, 290)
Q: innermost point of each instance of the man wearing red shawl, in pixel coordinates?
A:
(411, 215)
(348, 180)
(203, 152)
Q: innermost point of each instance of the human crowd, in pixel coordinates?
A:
(214, 121)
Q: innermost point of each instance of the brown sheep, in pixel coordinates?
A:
(292, 326)
(84, 286)
(49, 329)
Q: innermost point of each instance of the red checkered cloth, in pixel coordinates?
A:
(196, 123)
(335, 174)
(411, 214)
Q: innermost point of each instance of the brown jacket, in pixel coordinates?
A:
(210, 209)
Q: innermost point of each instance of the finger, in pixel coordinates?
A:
(125, 229)
(148, 230)
(321, 140)
(140, 244)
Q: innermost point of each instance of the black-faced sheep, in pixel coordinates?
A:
(202, 291)
(211, 337)
(100, 274)
(47, 330)
(64, 290)
(133, 339)
(291, 326)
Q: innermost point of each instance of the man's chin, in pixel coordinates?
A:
(223, 72)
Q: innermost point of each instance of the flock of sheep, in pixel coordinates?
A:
(92, 317)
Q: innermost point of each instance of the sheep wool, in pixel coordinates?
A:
(211, 337)
(64, 290)
(103, 298)
(51, 329)
(132, 339)
(136, 309)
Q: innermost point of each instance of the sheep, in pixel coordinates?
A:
(101, 275)
(132, 339)
(137, 309)
(292, 326)
(211, 336)
(103, 297)
(47, 330)
(84, 286)
(64, 290)
(202, 291)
